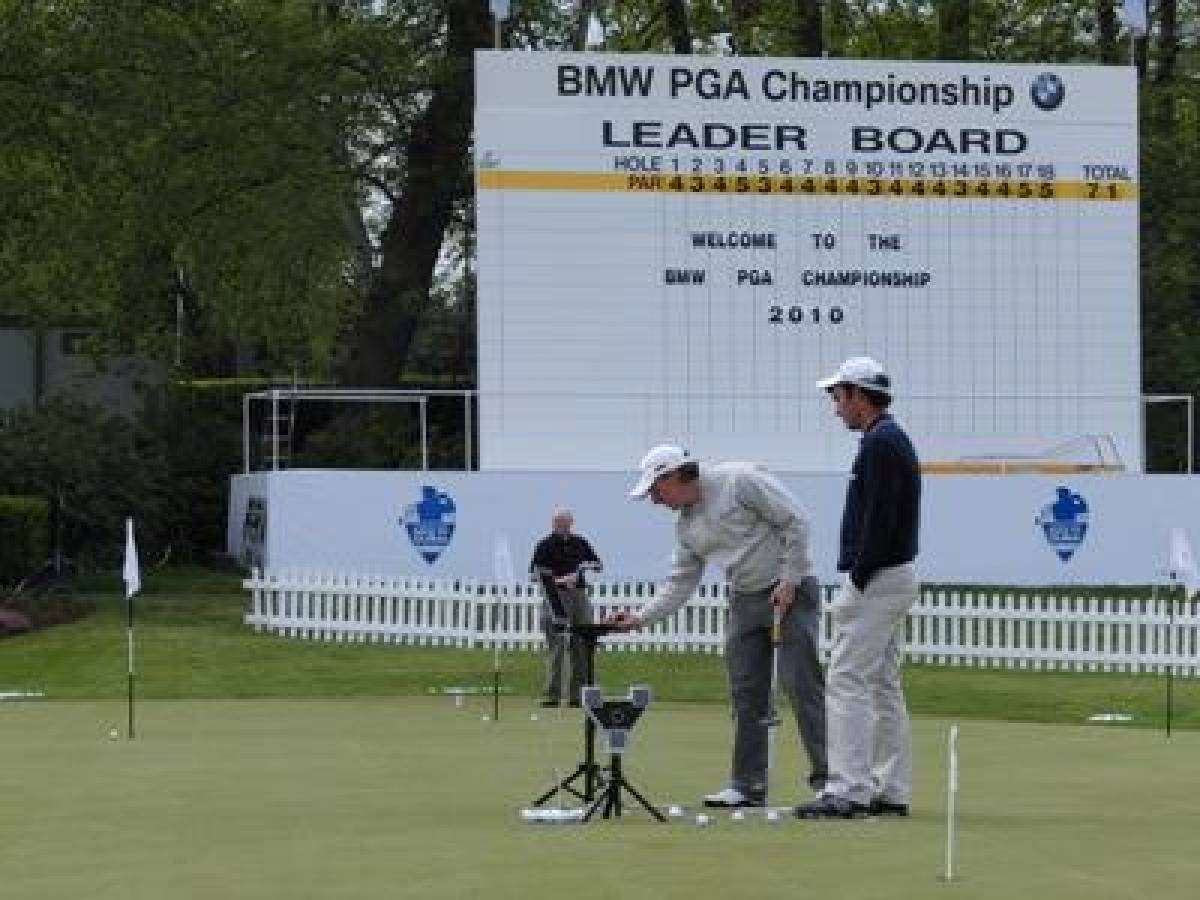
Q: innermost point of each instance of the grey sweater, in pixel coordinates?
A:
(745, 520)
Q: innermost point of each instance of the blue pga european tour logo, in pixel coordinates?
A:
(1064, 522)
(430, 523)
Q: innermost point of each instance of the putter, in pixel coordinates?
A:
(772, 718)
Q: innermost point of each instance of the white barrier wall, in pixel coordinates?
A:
(1016, 529)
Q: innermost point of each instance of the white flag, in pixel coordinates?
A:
(1133, 12)
(130, 572)
(502, 564)
(1183, 564)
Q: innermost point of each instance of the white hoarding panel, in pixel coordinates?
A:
(678, 247)
(1007, 530)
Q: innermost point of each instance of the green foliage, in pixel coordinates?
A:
(196, 433)
(244, 157)
(94, 469)
(48, 604)
(152, 140)
(169, 473)
(24, 537)
(1170, 270)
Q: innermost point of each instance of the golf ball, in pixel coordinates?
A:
(113, 734)
(675, 811)
(702, 820)
(738, 815)
(486, 718)
(772, 815)
(533, 717)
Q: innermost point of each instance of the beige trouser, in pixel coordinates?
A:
(870, 745)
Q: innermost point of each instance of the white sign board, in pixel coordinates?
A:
(1012, 530)
(677, 248)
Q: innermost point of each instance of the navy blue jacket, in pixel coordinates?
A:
(883, 501)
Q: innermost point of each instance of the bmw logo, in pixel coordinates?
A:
(1048, 91)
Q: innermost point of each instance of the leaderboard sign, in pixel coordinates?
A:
(677, 248)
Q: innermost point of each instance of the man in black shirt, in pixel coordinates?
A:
(869, 742)
(565, 556)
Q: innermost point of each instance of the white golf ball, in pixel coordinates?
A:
(533, 717)
(772, 815)
(738, 815)
(113, 734)
(486, 718)
(702, 820)
(675, 811)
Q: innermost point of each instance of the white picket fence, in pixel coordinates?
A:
(1069, 628)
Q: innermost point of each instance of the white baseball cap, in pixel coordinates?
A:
(861, 371)
(658, 461)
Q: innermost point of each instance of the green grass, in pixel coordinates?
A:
(272, 768)
(412, 797)
(191, 644)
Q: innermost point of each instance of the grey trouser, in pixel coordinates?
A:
(558, 644)
(870, 747)
(748, 661)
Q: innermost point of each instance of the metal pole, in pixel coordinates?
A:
(246, 434)
(424, 434)
(178, 327)
(467, 430)
(1191, 405)
(274, 429)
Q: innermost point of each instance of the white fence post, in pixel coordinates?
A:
(957, 626)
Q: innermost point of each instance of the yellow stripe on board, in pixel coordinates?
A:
(788, 185)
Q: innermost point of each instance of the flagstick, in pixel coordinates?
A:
(951, 798)
(1170, 656)
(496, 684)
(1183, 572)
(495, 666)
(129, 654)
(505, 582)
(131, 575)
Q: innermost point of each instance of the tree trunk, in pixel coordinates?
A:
(1141, 51)
(808, 33)
(435, 179)
(678, 27)
(583, 21)
(954, 29)
(1106, 17)
(743, 12)
(1168, 40)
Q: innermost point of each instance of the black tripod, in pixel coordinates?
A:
(617, 717)
(588, 769)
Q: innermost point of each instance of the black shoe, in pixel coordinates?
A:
(832, 808)
(575, 703)
(548, 703)
(881, 807)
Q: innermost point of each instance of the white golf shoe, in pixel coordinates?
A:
(732, 798)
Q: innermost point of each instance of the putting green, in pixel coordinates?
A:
(420, 798)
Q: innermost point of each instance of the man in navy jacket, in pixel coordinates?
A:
(869, 742)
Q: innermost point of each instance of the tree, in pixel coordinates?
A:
(808, 33)
(677, 25)
(434, 177)
(954, 29)
(162, 148)
(1106, 20)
